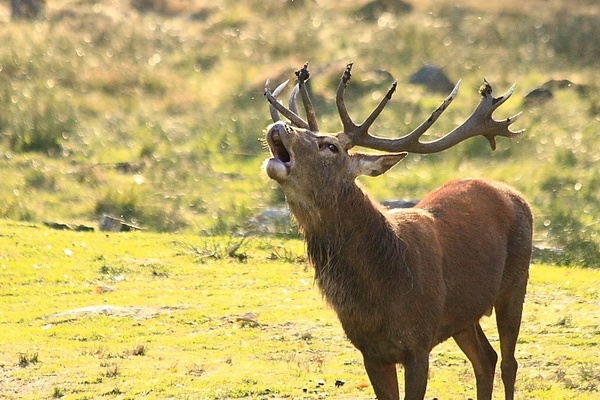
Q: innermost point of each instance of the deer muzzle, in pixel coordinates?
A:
(278, 167)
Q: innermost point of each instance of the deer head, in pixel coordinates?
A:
(301, 154)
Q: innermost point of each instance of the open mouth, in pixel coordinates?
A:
(280, 166)
(277, 147)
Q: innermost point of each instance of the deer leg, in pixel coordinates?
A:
(383, 377)
(416, 371)
(479, 351)
(509, 309)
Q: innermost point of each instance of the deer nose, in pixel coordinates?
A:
(278, 129)
(279, 126)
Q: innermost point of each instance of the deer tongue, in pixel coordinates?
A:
(278, 167)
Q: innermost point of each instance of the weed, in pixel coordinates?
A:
(168, 7)
(590, 372)
(565, 321)
(58, 393)
(114, 392)
(159, 271)
(114, 272)
(307, 337)
(139, 350)
(282, 254)
(213, 249)
(587, 378)
(196, 370)
(112, 370)
(26, 359)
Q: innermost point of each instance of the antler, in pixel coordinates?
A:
(292, 112)
(479, 123)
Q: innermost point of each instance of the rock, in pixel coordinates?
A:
(545, 93)
(112, 224)
(271, 221)
(399, 203)
(433, 78)
(68, 227)
(538, 96)
(372, 10)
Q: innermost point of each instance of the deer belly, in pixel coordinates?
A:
(381, 347)
(458, 319)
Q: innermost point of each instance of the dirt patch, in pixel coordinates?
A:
(128, 312)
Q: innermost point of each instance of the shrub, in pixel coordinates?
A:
(36, 121)
(167, 7)
(576, 37)
(141, 207)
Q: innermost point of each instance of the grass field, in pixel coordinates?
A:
(153, 111)
(161, 316)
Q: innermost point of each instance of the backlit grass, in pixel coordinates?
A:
(173, 90)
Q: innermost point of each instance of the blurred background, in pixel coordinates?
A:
(152, 111)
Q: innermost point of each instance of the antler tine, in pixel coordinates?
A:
(275, 106)
(425, 125)
(483, 114)
(371, 118)
(479, 123)
(303, 76)
(292, 104)
(347, 123)
(357, 132)
(272, 110)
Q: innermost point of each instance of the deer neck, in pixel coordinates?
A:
(350, 242)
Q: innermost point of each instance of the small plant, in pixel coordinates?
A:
(213, 249)
(111, 271)
(58, 393)
(112, 370)
(26, 359)
(139, 350)
(565, 321)
(307, 337)
(280, 253)
(196, 370)
(159, 271)
(114, 392)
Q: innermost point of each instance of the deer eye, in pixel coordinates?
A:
(333, 148)
(329, 146)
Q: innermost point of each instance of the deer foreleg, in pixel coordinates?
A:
(384, 379)
(416, 371)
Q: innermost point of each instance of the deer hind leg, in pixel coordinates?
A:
(509, 308)
(479, 351)
(383, 377)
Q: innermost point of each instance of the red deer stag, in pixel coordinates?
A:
(403, 281)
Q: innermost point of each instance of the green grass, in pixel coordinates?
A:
(172, 326)
(153, 110)
(173, 90)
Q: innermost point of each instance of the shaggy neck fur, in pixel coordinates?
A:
(350, 243)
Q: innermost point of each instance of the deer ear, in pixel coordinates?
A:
(375, 165)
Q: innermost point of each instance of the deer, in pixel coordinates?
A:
(402, 281)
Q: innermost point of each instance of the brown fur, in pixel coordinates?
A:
(406, 280)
